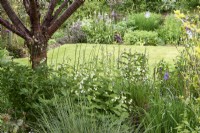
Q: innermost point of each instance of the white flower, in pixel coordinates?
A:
(147, 14)
(123, 97)
(95, 88)
(130, 101)
(189, 33)
(89, 89)
(76, 92)
(80, 86)
(82, 91)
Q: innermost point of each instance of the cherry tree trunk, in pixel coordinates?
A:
(41, 29)
(38, 53)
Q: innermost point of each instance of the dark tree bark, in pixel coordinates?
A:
(40, 32)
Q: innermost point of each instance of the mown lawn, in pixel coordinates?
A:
(71, 52)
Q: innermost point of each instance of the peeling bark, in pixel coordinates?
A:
(38, 54)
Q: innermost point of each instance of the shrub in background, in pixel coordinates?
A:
(141, 37)
(17, 51)
(170, 32)
(185, 5)
(145, 21)
(74, 34)
(123, 26)
(60, 33)
(121, 6)
(99, 29)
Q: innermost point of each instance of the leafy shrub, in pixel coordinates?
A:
(102, 92)
(58, 34)
(121, 6)
(77, 35)
(183, 4)
(170, 32)
(24, 94)
(134, 66)
(52, 41)
(122, 27)
(17, 51)
(141, 38)
(144, 21)
(105, 92)
(4, 56)
(164, 5)
(74, 34)
(167, 5)
(99, 29)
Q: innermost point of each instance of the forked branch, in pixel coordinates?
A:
(12, 28)
(66, 14)
(13, 17)
(48, 17)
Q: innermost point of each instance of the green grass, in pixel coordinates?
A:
(71, 52)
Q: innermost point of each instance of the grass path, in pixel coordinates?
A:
(68, 52)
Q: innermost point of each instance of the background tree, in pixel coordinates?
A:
(42, 27)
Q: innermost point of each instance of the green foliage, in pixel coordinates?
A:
(17, 51)
(141, 38)
(162, 6)
(4, 56)
(134, 66)
(162, 116)
(26, 87)
(121, 6)
(71, 116)
(99, 81)
(58, 34)
(145, 21)
(184, 4)
(190, 116)
(99, 29)
(52, 41)
(123, 25)
(170, 32)
(188, 68)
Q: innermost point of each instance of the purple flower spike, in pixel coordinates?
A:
(166, 76)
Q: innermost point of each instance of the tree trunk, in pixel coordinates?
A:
(37, 36)
(38, 54)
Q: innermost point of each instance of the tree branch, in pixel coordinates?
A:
(13, 17)
(59, 10)
(26, 4)
(35, 16)
(49, 14)
(12, 28)
(67, 13)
